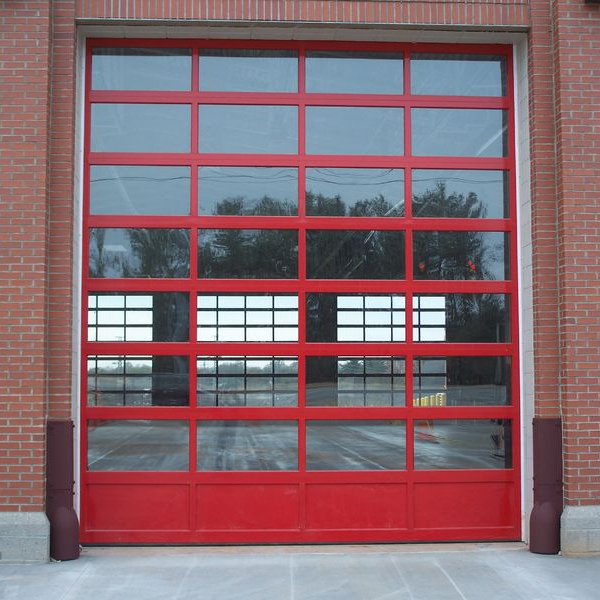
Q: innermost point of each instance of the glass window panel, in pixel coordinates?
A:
(165, 69)
(130, 190)
(355, 445)
(247, 191)
(354, 130)
(461, 255)
(459, 132)
(138, 445)
(355, 192)
(460, 194)
(156, 253)
(467, 318)
(463, 444)
(458, 74)
(230, 129)
(248, 253)
(462, 381)
(329, 379)
(329, 318)
(354, 72)
(167, 314)
(140, 128)
(247, 445)
(120, 380)
(248, 381)
(355, 254)
(253, 70)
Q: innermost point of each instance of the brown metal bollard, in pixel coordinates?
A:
(544, 522)
(64, 526)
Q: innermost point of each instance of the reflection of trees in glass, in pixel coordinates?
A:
(355, 254)
(437, 202)
(266, 206)
(456, 254)
(248, 254)
(157, 253)
(334, 206)
(477, 318)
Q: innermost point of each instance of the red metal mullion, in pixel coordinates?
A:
(139, 97)
(136, 348)
(401, 349)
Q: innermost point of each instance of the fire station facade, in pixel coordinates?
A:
(300, 272)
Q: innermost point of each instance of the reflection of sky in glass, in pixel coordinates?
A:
(248, 70)
(354, 130)
(140, 128)
(462, 193)
(222, 190)
(354, 72)
(133, 190)
(248, 129)
(458, 74)
(356, 188)
(459, 132)
(166, 69)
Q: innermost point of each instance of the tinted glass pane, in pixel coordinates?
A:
(248, 253)
(248, 71)
(140, 128)
(463, 444)
(461, 318)
(248, 129)
(247, 318)
(138, 446)
(247, 381)
(137, 381)
(138, 317)
(355, 192)
(458, 75)
(459, 132)
(355, 254)
(247, 445)
(460, 194)
(355, 318)
(139, 253)
(349, 130)
(117, 190)
(354, 72)
(355, 445)
(141, 69)
(247, 191)
(355, 381)
(461, 381)
(460, 255)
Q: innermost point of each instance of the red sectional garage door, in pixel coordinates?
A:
(300, 277)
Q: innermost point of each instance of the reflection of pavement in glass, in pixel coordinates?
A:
(364, 446)
(247, 446)
(138, 446)
(457, 445)
(272, 445)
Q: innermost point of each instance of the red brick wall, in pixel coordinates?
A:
(438, 12)
(24, 58)
(577, 60)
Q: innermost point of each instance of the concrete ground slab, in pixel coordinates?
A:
(376, 572)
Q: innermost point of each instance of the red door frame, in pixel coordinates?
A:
(135, 486)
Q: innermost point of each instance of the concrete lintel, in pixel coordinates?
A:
(580, 530)
(24, 537)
